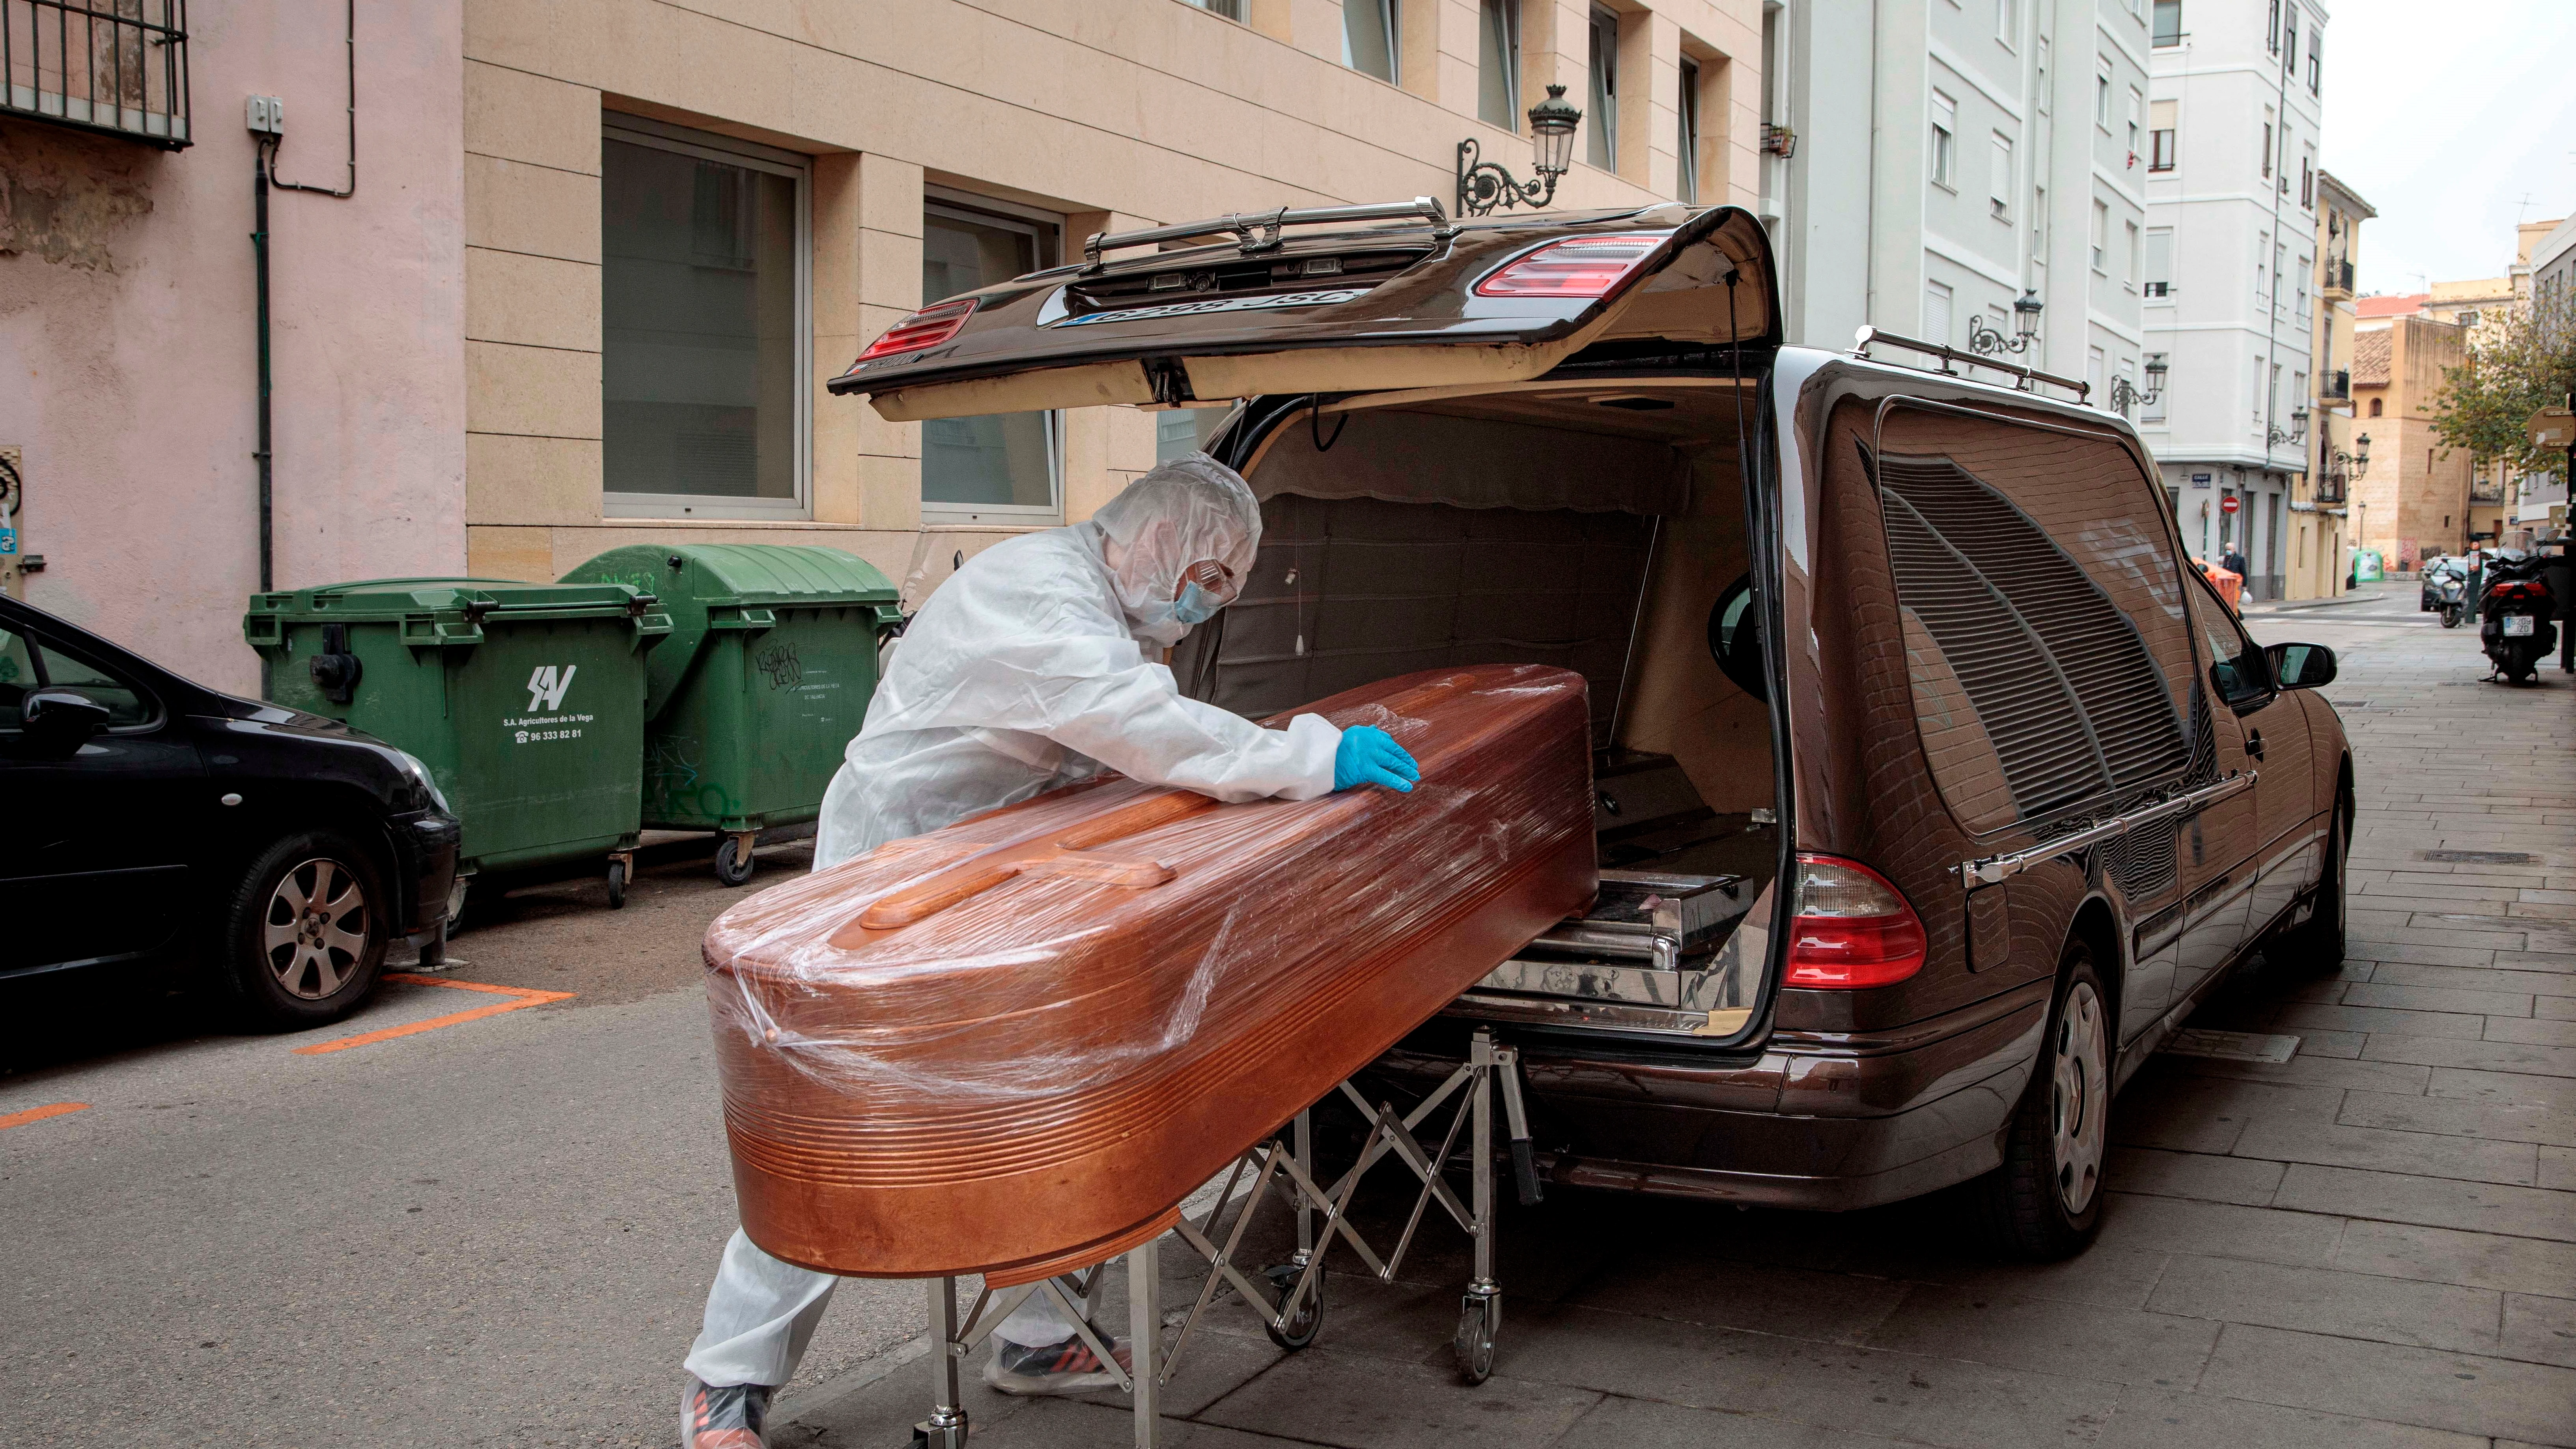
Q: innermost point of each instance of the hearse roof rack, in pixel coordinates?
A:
(2029, 377)
(1258, 231)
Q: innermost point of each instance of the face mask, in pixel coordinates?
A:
(1195, 605)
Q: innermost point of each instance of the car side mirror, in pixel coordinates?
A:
(2301, 666)
(60, 720)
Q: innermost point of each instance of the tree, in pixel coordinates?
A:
(2524, 364)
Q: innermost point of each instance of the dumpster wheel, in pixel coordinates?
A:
(619, 867)
(733, 859)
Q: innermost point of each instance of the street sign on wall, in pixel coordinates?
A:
(2227, 504)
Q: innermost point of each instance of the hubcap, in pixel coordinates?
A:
(2080, 1103)
(315, 930)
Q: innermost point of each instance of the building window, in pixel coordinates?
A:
(2272, 29)
(2039, 226)
(2316, 60)
(2129, 271)
(2137, 103)
(2308, 181)
(1945, 144)
(2262, 244)
(2374, 407)
(2267, 143)
(2168, 22)
(1936, 312)
(2040, 66)
(704, 368)
(1999, 180)
(999, 467)
(1179, 432)
(2102, 98)
(1601, 141)
(120, 69)
(1498, 64)
(2101, 236)
(1688, 189)
(2290, 40)
(2093, 374)
(2008, 23)
(1369, 37)
(2161, 121)
(1231, 9)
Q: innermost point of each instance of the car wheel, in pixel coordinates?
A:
(2045, 1202)
(2317, 944)
(305, 931)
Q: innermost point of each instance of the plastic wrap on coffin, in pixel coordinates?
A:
(1029, 1052)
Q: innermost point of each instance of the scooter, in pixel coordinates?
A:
(2450, 588)
(2516, 614)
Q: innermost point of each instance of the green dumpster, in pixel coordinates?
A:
(772, 659)
(525, 700)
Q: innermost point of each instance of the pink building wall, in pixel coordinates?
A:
(128, 363)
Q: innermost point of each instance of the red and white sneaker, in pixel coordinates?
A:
(1069, 1367)
(723, 1418)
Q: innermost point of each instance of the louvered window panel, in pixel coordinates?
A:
(2069, 695)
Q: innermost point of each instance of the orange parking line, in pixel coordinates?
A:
(39, 1114)
(520, 996)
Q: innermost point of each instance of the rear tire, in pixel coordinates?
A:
(304, 933)
(2045, 1202)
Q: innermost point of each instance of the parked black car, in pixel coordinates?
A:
(152, 823)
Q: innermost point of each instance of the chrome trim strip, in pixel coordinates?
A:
(1994, 869)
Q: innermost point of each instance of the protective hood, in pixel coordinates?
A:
(1187, 511)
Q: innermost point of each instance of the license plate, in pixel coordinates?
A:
(2518, 626)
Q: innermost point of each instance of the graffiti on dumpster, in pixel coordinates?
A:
(780, 663)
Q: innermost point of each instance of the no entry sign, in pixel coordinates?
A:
(2227, 504)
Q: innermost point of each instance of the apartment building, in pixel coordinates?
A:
(2320, 559)
(2414, 503)
(2231, 185)
(1952, 164)
(605, 256)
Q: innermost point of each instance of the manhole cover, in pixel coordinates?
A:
(2234, 1046)
(2477, 857)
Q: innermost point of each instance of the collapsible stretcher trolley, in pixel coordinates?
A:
(1288, 1297)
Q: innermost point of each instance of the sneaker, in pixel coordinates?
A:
(723, 1418)
(1069, 1367)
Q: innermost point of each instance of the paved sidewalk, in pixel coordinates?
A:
(2371, 1246)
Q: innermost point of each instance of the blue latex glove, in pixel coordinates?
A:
(1370, 756)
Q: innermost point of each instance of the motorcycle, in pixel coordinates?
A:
(2516, 614)
(2447, 594)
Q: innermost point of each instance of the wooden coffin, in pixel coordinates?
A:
(1013, 1046)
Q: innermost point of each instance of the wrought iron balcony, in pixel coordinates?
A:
(2334, 279)
(2331, 489)
(119, 67)
(2335, 386)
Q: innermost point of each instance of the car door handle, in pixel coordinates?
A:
(2254, 744)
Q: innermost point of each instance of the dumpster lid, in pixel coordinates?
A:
(399, 598)
(744, 573)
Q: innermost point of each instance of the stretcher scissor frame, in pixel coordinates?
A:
(1288, 1298)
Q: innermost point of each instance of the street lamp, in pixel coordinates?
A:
(2298, 432)
(1484, 185)
(1984, 340)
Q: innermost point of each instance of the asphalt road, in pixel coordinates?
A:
(495, 1232)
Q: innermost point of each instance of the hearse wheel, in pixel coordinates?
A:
(2045, 1202)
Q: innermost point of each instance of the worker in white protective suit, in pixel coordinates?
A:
(1036, 665)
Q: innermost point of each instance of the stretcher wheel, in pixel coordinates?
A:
(1309, 1317)
(733, 861)
(1475, 1344)
(617, 885)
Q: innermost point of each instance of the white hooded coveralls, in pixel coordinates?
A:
(1034, 666)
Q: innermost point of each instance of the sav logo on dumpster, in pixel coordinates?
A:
(547, 685)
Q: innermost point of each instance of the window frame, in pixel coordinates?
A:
(751, 155)
(1392, 13)
(2001, 174)
(38, 644)
(1601, 60)
(1943, 162)
(1686, 118)
(1504, 15)
(986, 211)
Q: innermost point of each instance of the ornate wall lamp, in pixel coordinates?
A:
(1484, 185)
(2298, 432)
(2125, 394)
(1984, 340)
